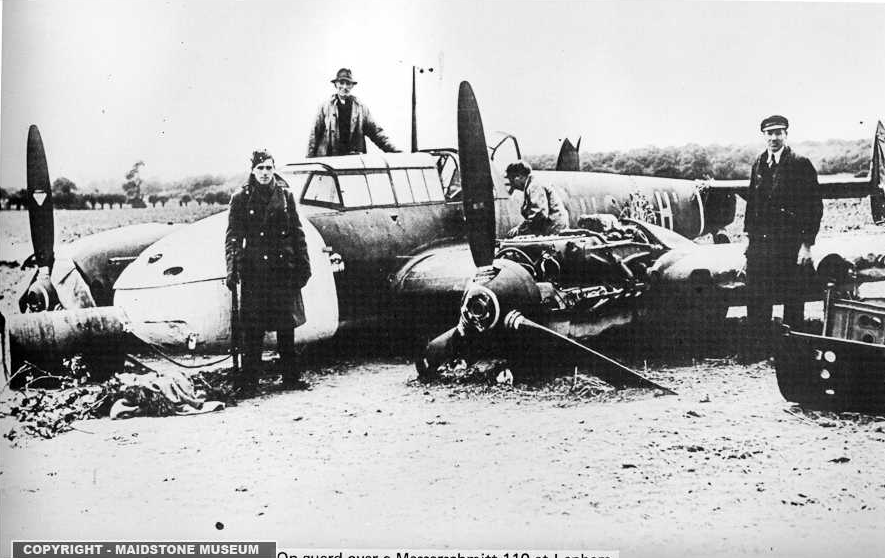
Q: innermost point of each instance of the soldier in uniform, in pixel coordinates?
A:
(543, 211)
(784, 210)
(267, 255)
(343, 121)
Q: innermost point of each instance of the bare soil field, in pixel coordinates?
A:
(372, 458)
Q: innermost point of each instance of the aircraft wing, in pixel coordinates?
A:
(719, 269)
(831, 186)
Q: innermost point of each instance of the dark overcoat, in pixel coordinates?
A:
(790, 212)
(780, 217)
(265, 247)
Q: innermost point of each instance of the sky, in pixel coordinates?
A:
(192, 87)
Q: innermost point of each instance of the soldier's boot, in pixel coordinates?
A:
(246, 383)
(290, 368)
(755, 344)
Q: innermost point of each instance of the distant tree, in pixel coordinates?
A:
(694, 163)
(222, 197)
(116, 199)
(19, 199)
(184, 199)
(152, 187)
(132, 186)
(625, 163)
(152, 199)
(89, 200)
(64, 194)
(163, 200)
(4, 198)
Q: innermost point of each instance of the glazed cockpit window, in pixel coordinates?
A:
(321, 188)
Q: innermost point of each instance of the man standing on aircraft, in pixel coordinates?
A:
(342, 123)
(784, 210)
(543, 211)
(266, 254)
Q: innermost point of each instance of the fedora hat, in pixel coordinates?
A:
(344, 74)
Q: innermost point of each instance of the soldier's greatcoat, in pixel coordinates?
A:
(265, 246)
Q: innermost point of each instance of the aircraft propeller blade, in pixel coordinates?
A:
(476, 179)
(440, 350)
(877, 176)
(40, 200)
(616, 373)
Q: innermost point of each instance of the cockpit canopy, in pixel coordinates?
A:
(376, 180)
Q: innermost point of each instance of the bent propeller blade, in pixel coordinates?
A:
(476, 178)
(40, 200)
(615, 373)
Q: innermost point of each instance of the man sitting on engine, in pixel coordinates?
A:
(543, 211)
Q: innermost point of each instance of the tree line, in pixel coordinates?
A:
(730, 162)
(692, 161)
(136, 192)
(66, 196)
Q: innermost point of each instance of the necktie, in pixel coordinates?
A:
(772, 162)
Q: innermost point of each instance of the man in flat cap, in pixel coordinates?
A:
(343, 122)
(543, 211)
(784, 210)
(266, 255)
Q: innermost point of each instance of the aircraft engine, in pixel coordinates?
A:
(578, 284)
(557, 278)
(502, 286)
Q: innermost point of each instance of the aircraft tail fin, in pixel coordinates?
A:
(569, 159)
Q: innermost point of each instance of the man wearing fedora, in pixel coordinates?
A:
(342, 123)
(784, 210)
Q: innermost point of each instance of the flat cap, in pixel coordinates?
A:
(774, 122)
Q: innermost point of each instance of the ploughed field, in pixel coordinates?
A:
(371, 458)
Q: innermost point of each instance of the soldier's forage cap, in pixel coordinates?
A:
(259, 157)
(774, 122)
(344, 74)
(519, 168)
